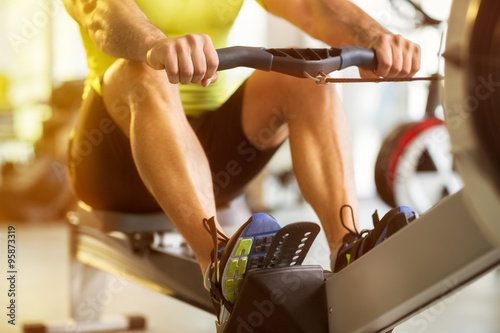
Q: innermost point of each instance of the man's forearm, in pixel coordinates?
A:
(117, 27)
(342, 22)
(335, 22)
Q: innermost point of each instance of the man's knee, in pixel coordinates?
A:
(131, 77)
(127, 84)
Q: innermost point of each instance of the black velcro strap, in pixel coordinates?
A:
(291, 245)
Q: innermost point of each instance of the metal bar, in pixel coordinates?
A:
(171, 274)
(438, 253)
(111, 324)
(86, 283)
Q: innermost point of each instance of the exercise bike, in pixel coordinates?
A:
(450, 245)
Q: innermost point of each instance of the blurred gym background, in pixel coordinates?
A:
(42, 68)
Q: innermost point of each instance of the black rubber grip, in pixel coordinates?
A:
(243, 56)
(358, 56)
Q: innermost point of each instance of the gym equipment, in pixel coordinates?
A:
(450, 245)
(420, 16)
(140, 247)
(414, 165)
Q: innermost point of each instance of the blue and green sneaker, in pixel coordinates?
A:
(233, 258)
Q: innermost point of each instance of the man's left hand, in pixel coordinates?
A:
(397, 57)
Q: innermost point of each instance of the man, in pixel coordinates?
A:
(155, 126)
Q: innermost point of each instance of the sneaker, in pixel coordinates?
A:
(355, 244)
(233, 258)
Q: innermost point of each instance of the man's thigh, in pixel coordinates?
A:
(101, 167)
(103, 173)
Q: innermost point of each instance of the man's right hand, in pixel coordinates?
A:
(186, 59)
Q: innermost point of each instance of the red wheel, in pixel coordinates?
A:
(414, 165)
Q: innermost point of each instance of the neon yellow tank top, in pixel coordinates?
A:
(178, 18)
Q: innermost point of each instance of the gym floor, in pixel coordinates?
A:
(43, 288)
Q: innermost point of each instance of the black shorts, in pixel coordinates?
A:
(103, 174)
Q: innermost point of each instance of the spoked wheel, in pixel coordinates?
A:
(415, 166)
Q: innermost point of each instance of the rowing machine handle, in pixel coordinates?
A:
(297, 62)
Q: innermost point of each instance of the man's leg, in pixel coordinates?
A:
(167, 153)
(276, 106)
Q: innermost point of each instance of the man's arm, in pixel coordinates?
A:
(340, 22)
(119, 28)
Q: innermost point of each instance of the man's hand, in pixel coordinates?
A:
(397, 57)
(186, 59)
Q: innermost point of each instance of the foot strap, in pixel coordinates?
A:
(291, 245)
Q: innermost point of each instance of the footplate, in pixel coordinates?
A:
(291, 244)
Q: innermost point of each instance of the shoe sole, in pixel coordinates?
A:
(249, 253)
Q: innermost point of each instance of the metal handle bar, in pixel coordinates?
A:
(297, 62)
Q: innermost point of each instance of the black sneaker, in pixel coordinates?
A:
(355, 244)
(232, 259)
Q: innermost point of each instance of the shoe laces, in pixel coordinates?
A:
(217, 237)
(218, 299)
(354, 232)
(209, 225)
